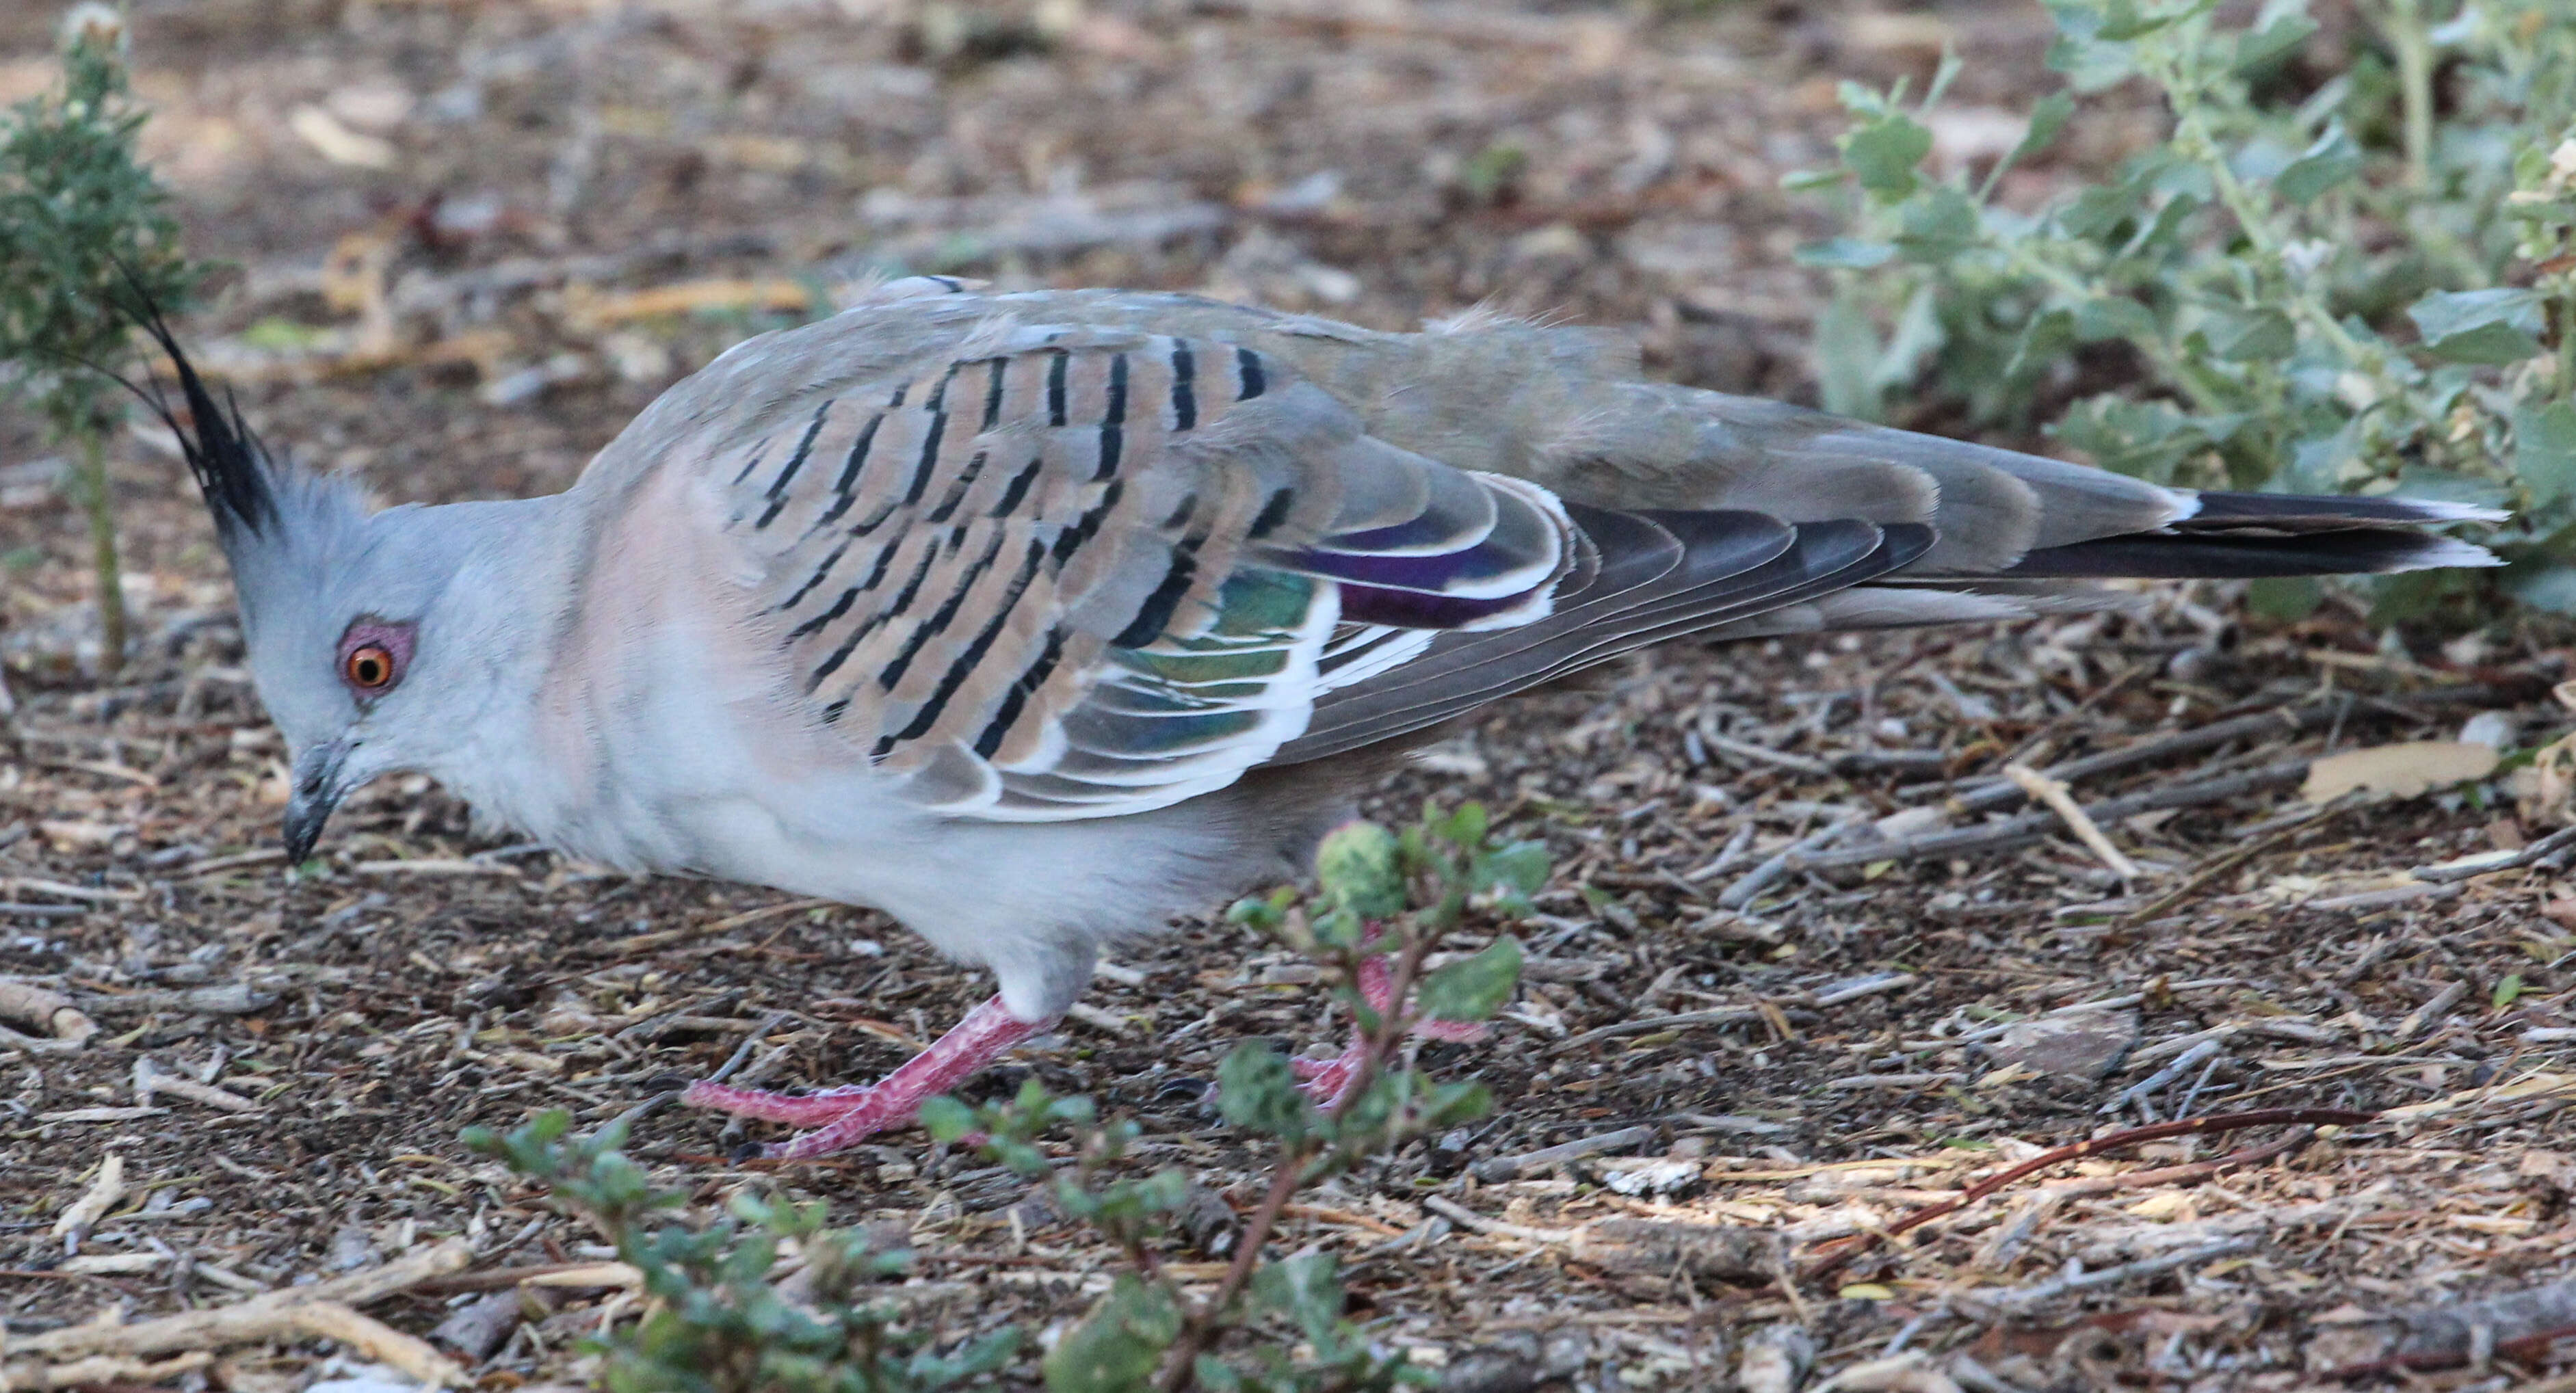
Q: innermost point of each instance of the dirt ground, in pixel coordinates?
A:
(470, 240)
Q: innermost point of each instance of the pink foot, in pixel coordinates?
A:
(845, 1116)
(1328, 1081)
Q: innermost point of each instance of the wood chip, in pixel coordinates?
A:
(2053, 793)
(103, 1193)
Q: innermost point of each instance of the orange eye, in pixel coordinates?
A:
(370, 667)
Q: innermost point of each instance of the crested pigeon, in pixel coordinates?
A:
(1033, 619)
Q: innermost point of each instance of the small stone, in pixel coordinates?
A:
(2081, 1045)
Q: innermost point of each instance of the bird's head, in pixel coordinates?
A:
(364, 651)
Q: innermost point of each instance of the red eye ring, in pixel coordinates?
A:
(369, 667)
(375, 655)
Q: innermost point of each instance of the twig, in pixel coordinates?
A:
(2521, 1324)
(1501, 1168)
(2561, 840)
(373, 1338)
(246, 1322)
(103, 1193)
(1764, 754)
(1643, 1025)
(2030, 827)
(1796, 857)
(637, 943)
(2231, 859)
(2033, 1295)
(46, 1010)
(2000, 793)
(1474, 1222)
(2138, 1092)
(100, 1371)
(544, 1274)
(87, 894)
(741, 1052)
(150, 1079)
(2430, 1012)
(1844, 1250)
(2053, 793)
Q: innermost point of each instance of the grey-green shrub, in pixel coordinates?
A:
(2362, 285)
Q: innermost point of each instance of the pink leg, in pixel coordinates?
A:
(847, 1115)
(1327, 1080)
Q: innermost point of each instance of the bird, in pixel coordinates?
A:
(1037, 618)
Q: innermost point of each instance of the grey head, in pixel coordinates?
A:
(379, 640)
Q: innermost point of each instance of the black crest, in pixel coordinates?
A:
(231, 465)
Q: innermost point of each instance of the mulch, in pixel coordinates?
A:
(1811, 963)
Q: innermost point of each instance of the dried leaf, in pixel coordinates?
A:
(2397, 771)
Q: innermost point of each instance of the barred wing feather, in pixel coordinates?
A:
(1085, 574)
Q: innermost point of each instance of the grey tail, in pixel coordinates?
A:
(1647, 576)
(231, 465)
(2246, 535)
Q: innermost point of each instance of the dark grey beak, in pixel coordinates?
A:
(317, 791)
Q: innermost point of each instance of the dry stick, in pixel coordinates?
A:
(101, 1372)
(2229, 860)
(1497, 1169)
(2278, 721)
(2052, 792)
(42, 1008)
(2031, 827)
(2003, 793)
(2562, 839)
(1845, 1250)
(649, 1106)
(244, 1321)
(1797, 857)
(2033, 1295)
(1644, 1025)
(2448, 1338)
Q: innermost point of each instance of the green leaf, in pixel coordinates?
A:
(1518, 867)
(2507, 990)
(1306, 1288)
(1848, 252)
(1846, 353)
(2544, 585)
(2331, 161)
(1883, 153)
(2544, 450)
(946, 1119)
(1117, 1346)
(1473, 989)
(2260, 48)
(2047, 118)
(2262, 336)
(1258, 912)
(1360, 871)
(1258, 1092)
(1465, 827)
(2098, 209)
(2112, 317)
(2479, 326)
(1940, 226)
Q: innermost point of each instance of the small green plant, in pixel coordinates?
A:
(719, 1322)
(2343, 283)
(1383, 902)
(83, 229)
